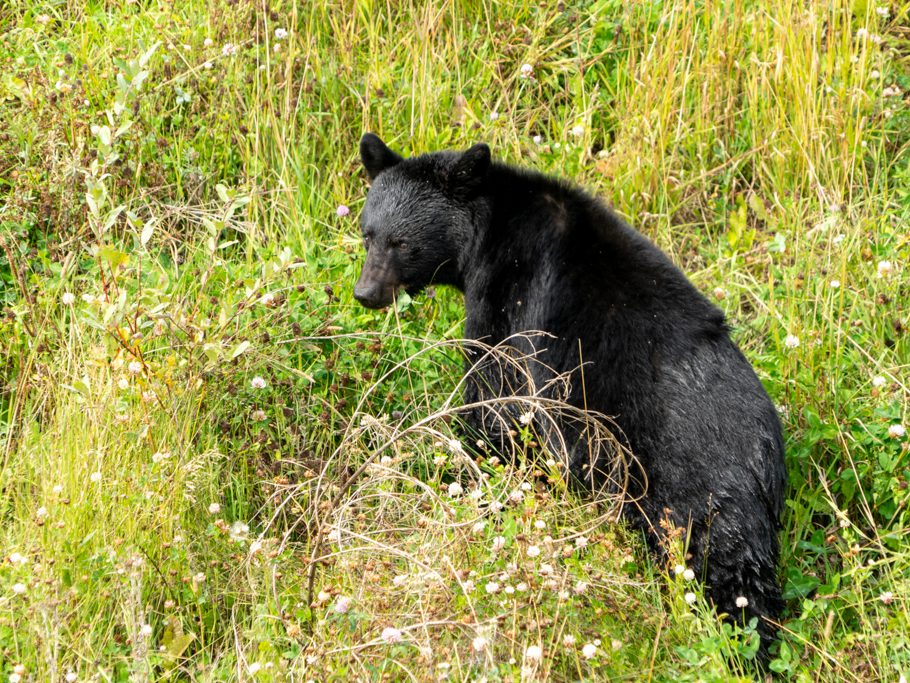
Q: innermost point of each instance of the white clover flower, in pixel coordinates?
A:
(688, 575)
(499, 542)
(229, 49)
(862, 33)
(158, 456)
(526, 418)
(791, 341)
(15, 678)
(526, 70)
(391, 635)
(883, 12)
(17, 558)
(580, 587)
(254, 668)
(58, 489)
(455, 446)
(322, 596)
(884, 268)
(134, 367)
(835, 284)
(526, 486)
(41, 512)
(568, 640)
(342, 604)
(214, 508)
(540, 524)
(258, 383)
(199, 577)
(123, 384)
(207, 65)
(533, 653)
(886, 597)
(537, 139)
(496, 506)
(239, 531)
(468, 586)
(400, 580)
(690, 598)
(95, 477)
(208, 42)
(878, 381)
(71, 677)
(281, 33)
(521, 587)
(679, 569)
(491, 587)
(516, 496)
(896, 431)
(479, 644)
(68, 298)
(19, 588)
(742, 602)
(578, 130)
(720, 293)
(494, 115)
(509, 590)
(533, 551)
(145, 630)
(581, 542)
(589, 650)
(546, 569)
(478, 528)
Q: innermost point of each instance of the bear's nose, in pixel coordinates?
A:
(369, 295)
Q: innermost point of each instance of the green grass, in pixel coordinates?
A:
(185, 196)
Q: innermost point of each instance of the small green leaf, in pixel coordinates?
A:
(402, 302)
(147, 231)
(240, 348)
(113, 256)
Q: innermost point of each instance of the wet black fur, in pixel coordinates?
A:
(534, 253)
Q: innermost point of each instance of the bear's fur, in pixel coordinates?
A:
(533, 253)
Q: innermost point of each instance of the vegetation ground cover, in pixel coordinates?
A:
(187, 386)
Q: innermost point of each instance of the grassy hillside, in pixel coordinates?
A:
(216, 466)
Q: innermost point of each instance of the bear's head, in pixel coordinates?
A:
(418, 216)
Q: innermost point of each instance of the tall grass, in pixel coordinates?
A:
(188, 387)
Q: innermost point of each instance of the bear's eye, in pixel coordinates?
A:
(366, 240)
(398, 244)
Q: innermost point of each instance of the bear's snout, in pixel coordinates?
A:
(375, 288)
(372, 295)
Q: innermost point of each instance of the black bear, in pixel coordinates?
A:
(534, 253)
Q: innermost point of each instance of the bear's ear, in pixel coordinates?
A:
(467, 176)
(376, 156)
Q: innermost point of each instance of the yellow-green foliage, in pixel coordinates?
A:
(216, 466)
